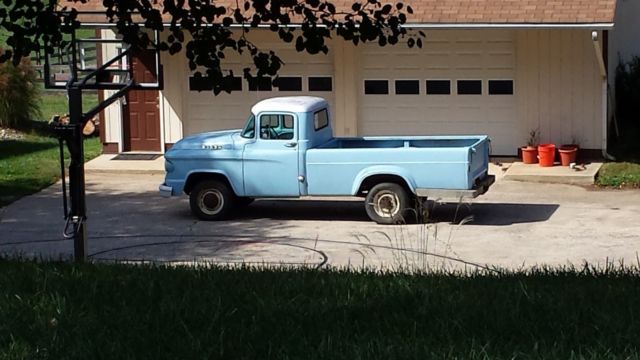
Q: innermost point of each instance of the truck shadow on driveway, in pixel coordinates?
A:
(139, 225)
(493, 214)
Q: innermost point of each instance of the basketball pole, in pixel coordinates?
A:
(75, 143)
(77, 193)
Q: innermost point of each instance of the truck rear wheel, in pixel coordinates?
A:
(211, 200)
(387, 203)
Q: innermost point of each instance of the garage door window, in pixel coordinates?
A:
(469, 87)
(260, 84)
(500, 87)
(202, 83)
(376, 87)
(438, 87)
(407, 87)
(320, 83)
(288, 83)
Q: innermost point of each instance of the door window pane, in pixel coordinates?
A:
(438, 87)
(320, 119)
(276, 127)
(500, 87)
(407, 87)
(469, 87)
(202, 83)
(320, 83)
(376, 87)
(260, 84)
(289, 83)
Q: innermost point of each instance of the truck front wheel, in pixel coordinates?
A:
(387, 203)
(211, 200)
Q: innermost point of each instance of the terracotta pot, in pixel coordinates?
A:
(529, 154)
(546, 154)
(568, 154)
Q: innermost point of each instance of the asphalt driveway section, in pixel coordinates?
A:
(514, 225)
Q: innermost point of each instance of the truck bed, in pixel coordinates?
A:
(427, 162)
(398, 142)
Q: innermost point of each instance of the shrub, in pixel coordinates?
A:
(19, 95)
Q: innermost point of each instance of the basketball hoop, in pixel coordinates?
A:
(80, 72)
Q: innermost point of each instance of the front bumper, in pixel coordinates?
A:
(165, 191)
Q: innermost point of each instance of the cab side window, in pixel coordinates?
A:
(320, 119)
(276, 127)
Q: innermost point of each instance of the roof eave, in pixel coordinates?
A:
(590, 26)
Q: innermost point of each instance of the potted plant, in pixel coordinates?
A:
(530, 152)
(569, 152)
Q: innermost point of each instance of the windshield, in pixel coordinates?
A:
(249, 130)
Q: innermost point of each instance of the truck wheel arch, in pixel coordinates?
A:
(196, 177)
(372, 180)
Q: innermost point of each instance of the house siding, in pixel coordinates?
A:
(560, 89)
(112, 114)
(172, 97)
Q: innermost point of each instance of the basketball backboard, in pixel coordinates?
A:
(102, 64)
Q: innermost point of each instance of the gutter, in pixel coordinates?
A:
(605, 85)
(433, 26)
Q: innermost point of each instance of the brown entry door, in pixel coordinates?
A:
(142, 109)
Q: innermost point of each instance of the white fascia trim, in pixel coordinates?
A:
(593, 26)
(590, 26)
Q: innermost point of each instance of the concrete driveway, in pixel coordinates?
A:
(514, 225)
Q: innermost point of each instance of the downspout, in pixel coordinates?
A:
(603, 71)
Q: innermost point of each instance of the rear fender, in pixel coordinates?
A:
(383, 170)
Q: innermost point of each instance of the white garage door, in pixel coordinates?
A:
(301, 74)
(460, 82)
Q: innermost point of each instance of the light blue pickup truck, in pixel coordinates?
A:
(287, 150)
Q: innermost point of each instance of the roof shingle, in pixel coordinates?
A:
(463, 11)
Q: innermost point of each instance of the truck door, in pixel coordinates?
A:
(271, 162)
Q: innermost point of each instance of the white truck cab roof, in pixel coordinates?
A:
(297, 104)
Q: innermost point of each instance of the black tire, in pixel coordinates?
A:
(212, 200)
(388, 203)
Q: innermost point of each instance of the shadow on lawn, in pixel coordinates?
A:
(9, 148)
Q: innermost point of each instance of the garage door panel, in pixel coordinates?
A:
(207, 112)
(447, 55)
(501, 61)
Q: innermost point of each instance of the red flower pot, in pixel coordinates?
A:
(568, 154)
(529, 154)
(546, 154)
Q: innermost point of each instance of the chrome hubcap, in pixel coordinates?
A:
(211, 202)
(386, 204)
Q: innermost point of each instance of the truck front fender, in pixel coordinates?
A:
(383, 170)
(197, 174)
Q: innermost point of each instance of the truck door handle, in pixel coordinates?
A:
(291, 144)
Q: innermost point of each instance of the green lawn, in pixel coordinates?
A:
(32, 163)
(620, 175)
(68, 311)
(54, 102)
